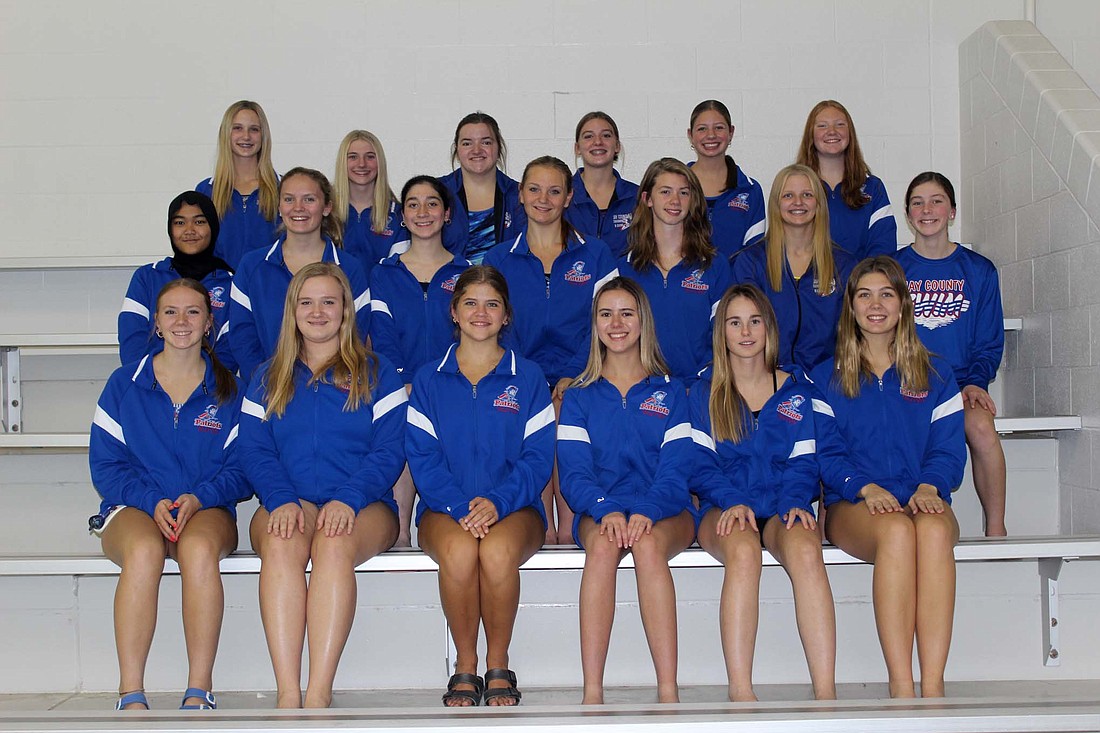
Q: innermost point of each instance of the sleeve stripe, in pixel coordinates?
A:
(380, 306)
(755, 231)
(108, 424)
(714, 309)
(223, 332)
(232, 436)
(238, 296)
(363, 300)
(950, 407)
(824, 408)
(539, 421)
(604, 280)
(394, 399)
(676, 432)
(572, 432)
(702, 439)
(882, 213)
(803, 448)
(129, 305)
(417, 419)
(248, 407)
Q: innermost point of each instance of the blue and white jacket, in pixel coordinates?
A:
(628, 454)
(142, 450)
(774, 468)
(736, 215)
(957, 307)
(867, 231)
(368, 246)
(807, 321)
(609, 225)
(553, 318)
(243, 227)
(683, 308)
(494, 439)
(509, 216)
(320, 452)
(258, 295)
(135, 319)
(408, 326)
(891, 436)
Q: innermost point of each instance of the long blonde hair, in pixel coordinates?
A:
(653, 362)
(222, 193)
(728, 410)
(697, 248)
(384, 197)
(911, 358)
(823, 265)
(353, 365)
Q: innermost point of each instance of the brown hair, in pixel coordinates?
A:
(855, 167)
(331, 225)
(225, 385)
(697, 249)
(557, 164)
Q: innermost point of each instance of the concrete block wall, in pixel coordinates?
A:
(1030, 197)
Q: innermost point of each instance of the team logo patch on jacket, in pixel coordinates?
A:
(740, 202)
(694, 281)
(449, 283)
(655, 404)
(208, 421)
(622, 222)
(217, 297)
(506, 401)
(576, 273)
(913, 395)
(791, 410)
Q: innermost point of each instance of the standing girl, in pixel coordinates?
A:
(625, 453)
(243, 187)
(322, 440)
(603, 203)
(361, 192)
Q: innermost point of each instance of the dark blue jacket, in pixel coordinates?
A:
(508, 216)
(243, 227)
(867, 231)
(368, 246)
(609, 225)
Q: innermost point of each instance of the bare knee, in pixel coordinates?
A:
(935, 531)
(650, 554)
(333, 553)
(144, 555)
(895, 536)
(802, 550)
(981, 433)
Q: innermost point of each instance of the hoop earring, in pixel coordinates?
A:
(158, 333)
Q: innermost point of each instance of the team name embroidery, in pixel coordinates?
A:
(449, 283)
(387, 232)
(740, 201)
(576, 274)
(913, 395)
(507, 401)
(939, 302)
(217, 297)
(832, 286)
(507, 219)
(694, 281)
(207, 421)
(655, 404)
(791, 410)
(622, 221)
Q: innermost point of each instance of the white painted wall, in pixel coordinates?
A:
(1071, 26)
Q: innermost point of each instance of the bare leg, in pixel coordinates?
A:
(739, 608)
(937, 535)
(330, 600)
(565, 514)
(799, 552)
(133, 542)
(404, 493)
(208, 536)
(988, 461)
(597, 606)
(889, 542)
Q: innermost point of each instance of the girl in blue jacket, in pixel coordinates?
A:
(554, 272)
(363, 199)
(957, 307)
(860, 218)
(260, 284)
(757, 478)
(486, 201)
(896, 421)
(625, 456)
(603, 203)
(799, 267)
(162, 456)
(671, 257)
(411, 302)
(192, 232)
(480, 446)
(322, 435)
(244, 185)
(735, 202)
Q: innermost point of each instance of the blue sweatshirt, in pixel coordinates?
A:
(736, 215)
(609, 225)
(553, 316)
(509, 218)
(494, 439)
(807, 321)
(320, 452)
(628, 454)
(893, 437)
(243, 227)
(683, 308)
(409, 326)
(135, 319)
(774, 468)
(957, 306)
(368, 246)
(258, 295)
(142, 450)
(867, 231)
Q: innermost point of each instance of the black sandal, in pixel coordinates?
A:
(491, 693)
(474, 695)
